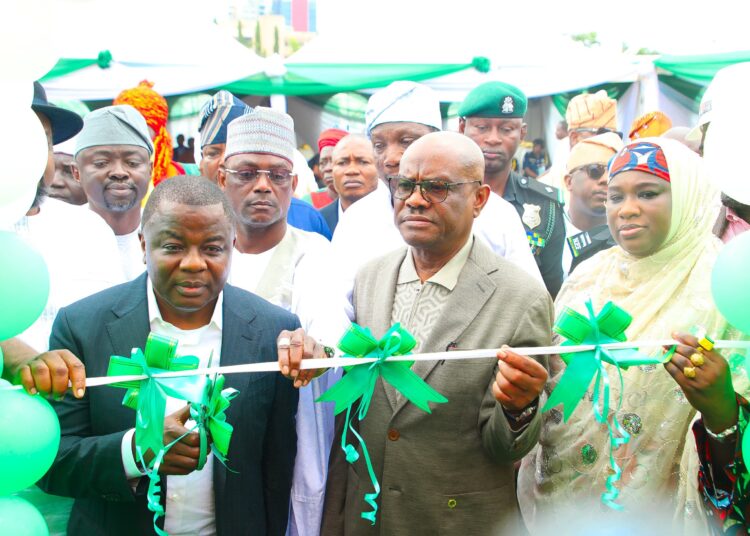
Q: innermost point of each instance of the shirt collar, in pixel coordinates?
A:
(155, 314)
(446, 277)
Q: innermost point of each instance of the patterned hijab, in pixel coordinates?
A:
(669, 289)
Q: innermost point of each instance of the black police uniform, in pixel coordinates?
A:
(546, 239)
(586, 244)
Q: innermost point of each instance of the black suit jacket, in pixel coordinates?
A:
(254, 499)
(330, 214)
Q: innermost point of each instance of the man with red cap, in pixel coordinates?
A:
(326, 142)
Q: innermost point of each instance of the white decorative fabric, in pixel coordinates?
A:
(404, 102)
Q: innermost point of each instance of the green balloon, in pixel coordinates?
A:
(729, 284)
(29, 439)
(20, 518)
(24, 285)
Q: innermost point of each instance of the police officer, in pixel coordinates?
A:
(492, 115)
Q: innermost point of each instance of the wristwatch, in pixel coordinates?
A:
(523, 414)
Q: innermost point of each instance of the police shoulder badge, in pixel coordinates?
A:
(507, 107)
(531, 217)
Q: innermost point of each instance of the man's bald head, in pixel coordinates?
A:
(350, 141)
(458, 149)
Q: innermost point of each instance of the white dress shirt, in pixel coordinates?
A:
(131, 255)
(367, 230)
(190, 505)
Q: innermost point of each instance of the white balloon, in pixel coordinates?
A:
(27, 38)
(20, 92)
(726, 142)
(24, 151)
(12, 212)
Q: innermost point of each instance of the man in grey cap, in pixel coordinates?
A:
(113, 164)
(284, 265)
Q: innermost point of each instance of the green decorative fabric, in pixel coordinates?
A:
(614, 90)
(70, 65)
(607, 327)
(358, 383)
(330, 78)
(689, 75)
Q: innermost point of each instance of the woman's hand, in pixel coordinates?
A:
(710, 391)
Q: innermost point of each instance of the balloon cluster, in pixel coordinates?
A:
(29, 429)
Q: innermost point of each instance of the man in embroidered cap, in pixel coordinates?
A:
(154, 109)
(587, 115)
(113, 164)
(396, 116)
(587, 232)
(284, 265)
(216, 114)
(492, 115)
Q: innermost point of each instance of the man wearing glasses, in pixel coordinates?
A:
(452, 470)
(492, 115)
(288, 267)
(586, 181)
(587, 115)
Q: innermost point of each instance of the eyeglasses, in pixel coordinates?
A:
(595, 171)
(597, 131)
(433, 191)
(279, 177)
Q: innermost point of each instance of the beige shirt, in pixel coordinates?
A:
(417, 305)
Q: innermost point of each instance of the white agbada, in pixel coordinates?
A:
(81, 255)
(296, 275)
(367, 230)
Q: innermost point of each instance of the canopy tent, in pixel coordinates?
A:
(102, 54)
(687, 76)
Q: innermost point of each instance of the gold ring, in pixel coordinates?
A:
(689, 372)
(697, 359)
(706, 343)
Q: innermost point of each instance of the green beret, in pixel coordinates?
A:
(494, 99)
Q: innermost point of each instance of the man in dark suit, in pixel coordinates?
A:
(187, 236)
(354, 175)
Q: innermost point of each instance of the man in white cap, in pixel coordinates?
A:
(64, 186)
(397, 116)
(284, 265)
(113, 163)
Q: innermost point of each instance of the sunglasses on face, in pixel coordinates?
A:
(595, 171)
(433, 190)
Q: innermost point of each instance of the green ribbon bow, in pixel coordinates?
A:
(148, 397)
(211, 416)
(607, 327)
(359, 384)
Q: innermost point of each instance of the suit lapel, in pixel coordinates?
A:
(130, 329)
(473, 289)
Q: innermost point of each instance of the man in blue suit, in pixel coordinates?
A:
(187, 236)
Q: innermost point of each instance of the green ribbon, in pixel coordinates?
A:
(208, 403)
(359, 384)
(607, 327)
(211, 419)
